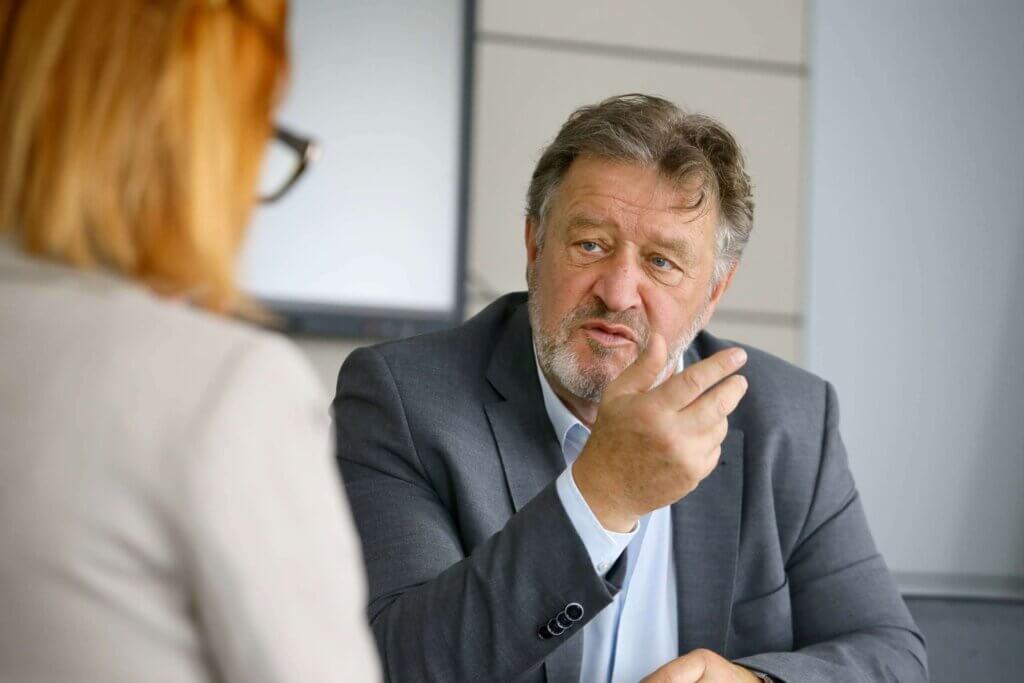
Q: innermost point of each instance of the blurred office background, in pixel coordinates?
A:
(884, 140)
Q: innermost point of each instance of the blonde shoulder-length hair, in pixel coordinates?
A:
(132, 132)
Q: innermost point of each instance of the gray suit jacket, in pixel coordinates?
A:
(449, 461)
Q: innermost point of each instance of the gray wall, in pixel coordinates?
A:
(915, 288)
(971, 639)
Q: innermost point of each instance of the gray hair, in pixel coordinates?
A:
(654, 132)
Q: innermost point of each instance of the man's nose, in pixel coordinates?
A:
(618, 285)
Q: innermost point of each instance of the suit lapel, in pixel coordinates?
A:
(705, 540)
(530, 454)
(529, 450)
(705, 537)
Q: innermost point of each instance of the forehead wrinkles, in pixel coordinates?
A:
(631, 218)
(634, 193)
(637, 217)
(660, 199)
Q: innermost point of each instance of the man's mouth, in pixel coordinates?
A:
(608, 334)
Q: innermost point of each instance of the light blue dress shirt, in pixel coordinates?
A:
(639, 631)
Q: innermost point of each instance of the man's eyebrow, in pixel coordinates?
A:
(680, 244)
(585, 221)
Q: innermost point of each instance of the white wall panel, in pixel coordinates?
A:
(747, 29)
(780, 340)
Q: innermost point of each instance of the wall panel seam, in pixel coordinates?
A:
(742, 64)
(767, 318)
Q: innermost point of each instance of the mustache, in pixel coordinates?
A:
(595, 309)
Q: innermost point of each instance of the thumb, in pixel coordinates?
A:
(639, 376)
(690, 668)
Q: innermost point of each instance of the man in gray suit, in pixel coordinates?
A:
(577, 485)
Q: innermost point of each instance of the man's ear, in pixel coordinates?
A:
(530, 235)
(718, 291)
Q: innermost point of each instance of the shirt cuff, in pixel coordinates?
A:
(603, 546)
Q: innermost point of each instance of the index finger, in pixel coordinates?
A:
(680, 390)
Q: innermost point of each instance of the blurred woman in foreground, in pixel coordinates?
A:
(169, 506)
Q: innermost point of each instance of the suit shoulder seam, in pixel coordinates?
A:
(401, 405)
(821, 464)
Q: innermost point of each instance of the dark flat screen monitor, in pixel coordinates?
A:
(371, 240)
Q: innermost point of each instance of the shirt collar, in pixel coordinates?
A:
(560, 416)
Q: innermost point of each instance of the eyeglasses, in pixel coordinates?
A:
(287, 156)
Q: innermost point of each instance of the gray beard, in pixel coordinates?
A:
(557, 359)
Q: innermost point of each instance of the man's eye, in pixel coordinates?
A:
(590, 247)
(661, 263)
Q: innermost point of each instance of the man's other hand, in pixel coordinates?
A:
(704, 666)
(650, 447)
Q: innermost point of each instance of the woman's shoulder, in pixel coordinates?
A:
(219, 352)
(105, 345)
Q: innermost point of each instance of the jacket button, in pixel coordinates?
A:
(543, 632)
(563, 620)
(554, 628)
(574, 611)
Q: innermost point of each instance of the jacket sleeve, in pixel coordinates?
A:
(438, 612)
(849, 622)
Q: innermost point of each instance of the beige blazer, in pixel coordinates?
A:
(169, 504)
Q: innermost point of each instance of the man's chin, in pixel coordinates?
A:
(604, 362)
